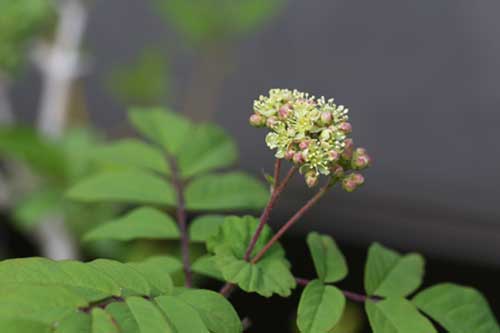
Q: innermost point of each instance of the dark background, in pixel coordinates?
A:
(421, 81)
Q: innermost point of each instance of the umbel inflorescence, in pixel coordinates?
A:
(313, 134)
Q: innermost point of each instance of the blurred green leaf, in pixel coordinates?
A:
(205, 265)
(142, 222)
(38, 205)
(203, 22)
(230, 191)
(126, 186)
(143, 82)
(77, 322)
(396, 315)
(320, 307)
(157, 271)
(328, 260)
(205, 226)
(133, 153)
(166, 128)
(458, 309)
(387, 273)
(207, 149)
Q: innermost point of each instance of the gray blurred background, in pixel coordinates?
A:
(420, 79)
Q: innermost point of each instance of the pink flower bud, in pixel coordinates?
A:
(347, 153)
(338, 171)
(298, 158)
(304, 144)
(289, 154)
(346, 127)
(284, 111)
(360, 159)
(271, 122)
(334, 155)
(357, 178)
(326, 117)
(256, 120)
(311, 179)
(349, 185)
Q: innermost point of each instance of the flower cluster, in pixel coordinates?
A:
(312, 133)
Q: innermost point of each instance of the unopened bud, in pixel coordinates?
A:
(271, 122)
(257, 120)
(349, 185)
(334, 155)
(304, 144)
(347, 153)
(360, 159)
(326, 118)
(346, 127)
(289, 154)
(338, 171)
(284, 112)
(298, 158)
(358, 178)
(311, 179)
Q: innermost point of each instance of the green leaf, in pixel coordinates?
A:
(41, 155)
(268, 276)
(396, 315)
(387, 273)
(328, 260)
(38, 302)
(231, 191)
(131, 153)
(38, 205)
(215, 311)
(207, 149)
(320, 308)
(77, 322)
(206, 265)
(78, 277)
(148, 317)
(163, 127)
(23, 326)
(157, 271)
(182, 316)
(130, 281)
(142, 222)
(102, 322)
(126, 186)
(204, 227)
(458, 309)
(123, 317)
(142, 82)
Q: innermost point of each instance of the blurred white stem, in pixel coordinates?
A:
(60, 66)
(6, 117)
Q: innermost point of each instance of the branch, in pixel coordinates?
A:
(291, 222)
(278, 189)
(181, 219)
(355, 297)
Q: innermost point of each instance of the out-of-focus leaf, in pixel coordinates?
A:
(205, 226)
(143, 82)
(102, 322)
(125, 186)
(203, 22)
(207, 266)
(166, 128)
(208, 148)
(131, 153)
(157, 271)
(230, 191)
(36, 206)
(77, 322)
(142, 222)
